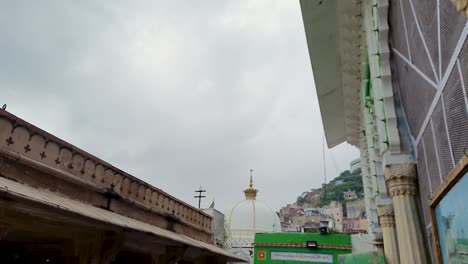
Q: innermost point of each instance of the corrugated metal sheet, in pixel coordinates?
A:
(66, 204)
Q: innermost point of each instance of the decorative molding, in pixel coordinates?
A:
(386, 215)
(387, 221)
(385, 210)
(351, 54)
(383, 115)
(21, 141)
(403, 169)
(386, 79)
(401, 179)
(462, 6)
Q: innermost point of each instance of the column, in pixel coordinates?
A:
(387, 222)
(402, 184)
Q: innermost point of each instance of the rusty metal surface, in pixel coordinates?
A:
(15, 189)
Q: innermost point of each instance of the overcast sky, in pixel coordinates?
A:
(177, 93)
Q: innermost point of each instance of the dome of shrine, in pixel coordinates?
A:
(251, 216)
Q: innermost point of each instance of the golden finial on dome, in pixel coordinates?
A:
(251, 181)
(250, 193)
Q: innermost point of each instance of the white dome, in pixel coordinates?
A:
(249, 217)
(254, 216)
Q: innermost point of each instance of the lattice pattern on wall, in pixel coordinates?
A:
(430, 58)
(426, 12)
(452, 23)
(417, 44)
(456, 113)
(442, 146)
(425, 191)
(416, 94)
(424, 187)
(434, 172)
(463, 60)
(398, 31)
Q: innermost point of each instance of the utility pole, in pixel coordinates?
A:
(200, 196)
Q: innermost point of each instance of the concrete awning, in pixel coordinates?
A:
(333, 33)
(12, 189)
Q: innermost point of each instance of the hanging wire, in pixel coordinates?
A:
(324, 168)
(334, 162)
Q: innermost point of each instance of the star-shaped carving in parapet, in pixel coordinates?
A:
(462, 6)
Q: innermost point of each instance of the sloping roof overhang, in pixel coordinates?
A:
(333, 33)
(17, 191)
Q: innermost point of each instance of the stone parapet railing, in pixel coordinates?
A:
(20, 139)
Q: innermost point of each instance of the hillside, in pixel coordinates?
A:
(333, 191)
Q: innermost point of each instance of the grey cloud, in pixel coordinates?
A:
(178, 93)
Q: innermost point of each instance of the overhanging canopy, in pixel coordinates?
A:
(333, 32)
(14, 190)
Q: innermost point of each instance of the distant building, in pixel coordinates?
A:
(285, 214)
(292, 229)
(355, 165)
(299, 220)
(313, 196)
(326, 223)
(335, 211)
(350, 195)
(312, 211)
(355, 225)
(217, 226)
(356, 209)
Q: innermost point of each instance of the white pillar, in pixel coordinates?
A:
(387, 222)
(402, 183)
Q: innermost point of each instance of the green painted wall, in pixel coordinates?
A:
(330, 239)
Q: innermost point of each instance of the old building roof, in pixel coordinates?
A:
(38, 167)
(14, 190)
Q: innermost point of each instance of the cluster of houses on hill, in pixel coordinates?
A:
(349, 217)
(345, 216)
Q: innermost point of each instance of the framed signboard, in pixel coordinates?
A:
(449, 210)
(301, 256)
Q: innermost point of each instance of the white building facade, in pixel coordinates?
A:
(392, 78)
